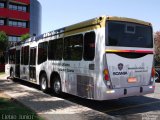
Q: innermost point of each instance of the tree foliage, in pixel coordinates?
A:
(157, 45)
(25, 36)
(3, 41)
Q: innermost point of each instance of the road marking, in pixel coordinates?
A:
(133, 106)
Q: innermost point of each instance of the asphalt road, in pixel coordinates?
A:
(145, 107)
(132, 108)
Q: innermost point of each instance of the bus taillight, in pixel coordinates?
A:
(153, 72)
(106, 74)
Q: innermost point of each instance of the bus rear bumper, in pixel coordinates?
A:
(124, 92)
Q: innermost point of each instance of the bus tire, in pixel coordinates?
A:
(43, 82)
(56, 86)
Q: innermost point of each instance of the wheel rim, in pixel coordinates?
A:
(57, 86)
(44, 83)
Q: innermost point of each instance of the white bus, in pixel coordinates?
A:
(103, 58)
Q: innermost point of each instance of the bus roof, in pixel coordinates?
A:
(84, 26)
(128, 20)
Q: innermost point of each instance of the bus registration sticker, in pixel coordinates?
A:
(132, 80)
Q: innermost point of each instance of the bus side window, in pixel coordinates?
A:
(73, 47)
(89, 46)
(6, 57)
(55, 49)
(25, 55)
(33, 56)
(12, 56)
(42, 52)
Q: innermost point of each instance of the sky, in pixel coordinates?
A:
(60, 13)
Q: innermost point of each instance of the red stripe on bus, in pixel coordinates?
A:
(130, 51)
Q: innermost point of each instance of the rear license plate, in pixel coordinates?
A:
(132, 80)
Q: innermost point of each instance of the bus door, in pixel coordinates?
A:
(17, 65)
(32, 64)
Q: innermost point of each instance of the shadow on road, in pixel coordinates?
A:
(120, 107)
(37, 100)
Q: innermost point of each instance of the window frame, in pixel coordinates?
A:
(16, 7)
(33, 54)
(2, 5)
(49, 49)
(11, 38)
(65, 50)
(16, 23)
(84, 56)
(12, 56)
(25, 55)
(2, 22)
(127, 24)
(39, 60)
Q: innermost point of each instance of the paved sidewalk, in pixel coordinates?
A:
(49, 107)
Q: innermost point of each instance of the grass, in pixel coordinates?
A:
(1, 73)
(10, 109)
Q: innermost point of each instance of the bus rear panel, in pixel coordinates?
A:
(128, 61)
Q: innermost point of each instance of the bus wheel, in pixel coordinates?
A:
(43, 82)
(56, 86)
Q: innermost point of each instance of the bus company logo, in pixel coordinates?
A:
(120, 66)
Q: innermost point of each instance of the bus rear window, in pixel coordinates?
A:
(127, 34)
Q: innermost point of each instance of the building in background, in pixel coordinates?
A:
(18, 17)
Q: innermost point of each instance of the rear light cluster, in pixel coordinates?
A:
(106, 77)
(153, 72)
(106, 74)
(153, 76)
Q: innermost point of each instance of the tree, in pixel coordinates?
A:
(3, 41)
(25, 36)
(157, 47)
